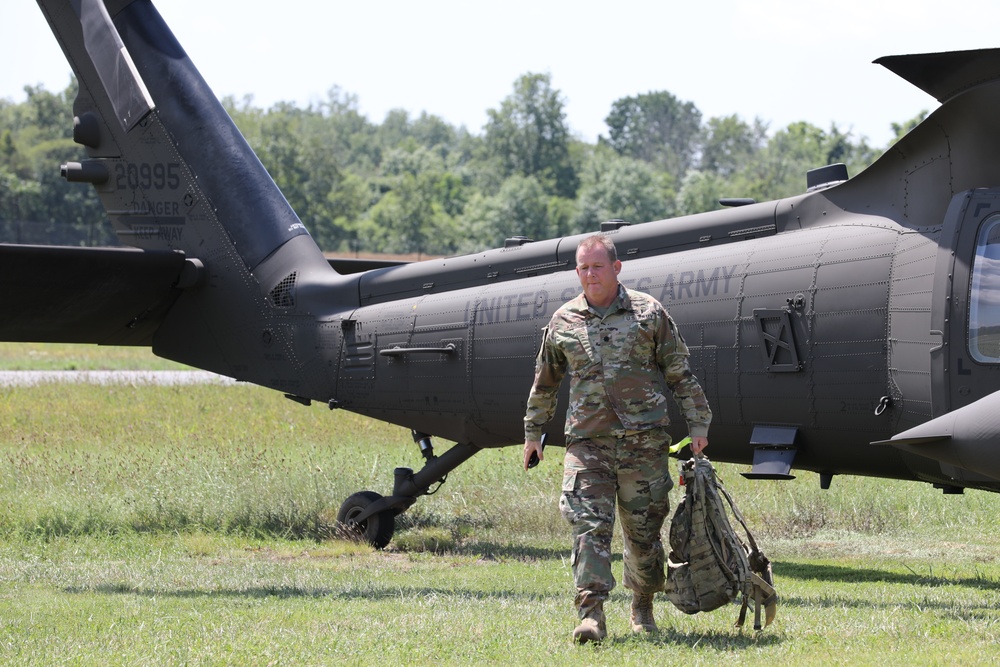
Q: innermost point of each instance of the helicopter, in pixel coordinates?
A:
(853, 329)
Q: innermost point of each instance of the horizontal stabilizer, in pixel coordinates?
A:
(966, 438)
(915, 440)
(944, 75)
(110, 296)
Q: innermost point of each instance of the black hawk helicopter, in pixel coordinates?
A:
(853, 329)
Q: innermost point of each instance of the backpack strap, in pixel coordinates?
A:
(764, 596)
(760, 585)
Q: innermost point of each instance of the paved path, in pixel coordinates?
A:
(32, 378)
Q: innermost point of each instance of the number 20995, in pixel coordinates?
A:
(147, 176)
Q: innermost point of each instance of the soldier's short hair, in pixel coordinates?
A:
(602, 240)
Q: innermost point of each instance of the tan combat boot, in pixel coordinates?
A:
(642, 613)
(592, 627)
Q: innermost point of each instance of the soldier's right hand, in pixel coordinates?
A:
(532, 447)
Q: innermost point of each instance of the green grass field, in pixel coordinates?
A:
(193, 525)
(51, 357)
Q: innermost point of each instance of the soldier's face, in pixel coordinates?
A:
(598, 275)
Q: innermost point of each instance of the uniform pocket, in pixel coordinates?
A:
(567, 501)
(659, 496)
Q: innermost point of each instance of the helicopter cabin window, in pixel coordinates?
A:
(984, 302)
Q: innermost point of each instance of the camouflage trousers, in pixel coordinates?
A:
(634, 469)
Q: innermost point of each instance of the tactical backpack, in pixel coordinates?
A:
(709, 563)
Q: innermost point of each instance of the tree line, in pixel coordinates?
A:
(417, 184)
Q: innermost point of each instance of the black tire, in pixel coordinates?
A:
(376, 530)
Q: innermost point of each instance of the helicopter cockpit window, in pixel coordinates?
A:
(984, 302)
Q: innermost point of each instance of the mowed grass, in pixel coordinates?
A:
(193, 525)
(53, 357)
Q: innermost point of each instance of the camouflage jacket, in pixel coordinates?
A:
(620, 369)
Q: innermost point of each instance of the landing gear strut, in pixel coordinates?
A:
(368, 517)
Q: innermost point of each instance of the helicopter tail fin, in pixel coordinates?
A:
(174, 174)
(944, 75)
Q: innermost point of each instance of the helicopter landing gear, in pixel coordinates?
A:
(369, 517)
(376, 529)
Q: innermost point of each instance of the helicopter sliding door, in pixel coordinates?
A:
(966, 312)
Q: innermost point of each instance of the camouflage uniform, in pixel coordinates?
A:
(621, 366)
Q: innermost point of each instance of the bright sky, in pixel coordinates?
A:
(780, 60)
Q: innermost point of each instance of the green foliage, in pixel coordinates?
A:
(528, 135)
(35, 138)
(624, 188)
(420, 185)
(520, 208)
(700, 191)
(739, 160)
(656, 128)
(730, 144)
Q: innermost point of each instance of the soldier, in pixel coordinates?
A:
(623, 352)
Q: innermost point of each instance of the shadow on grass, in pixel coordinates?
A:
(721, 641)
(253, 593)
(516, 552)
(856, 575)
(520, 552)
(289, 592)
